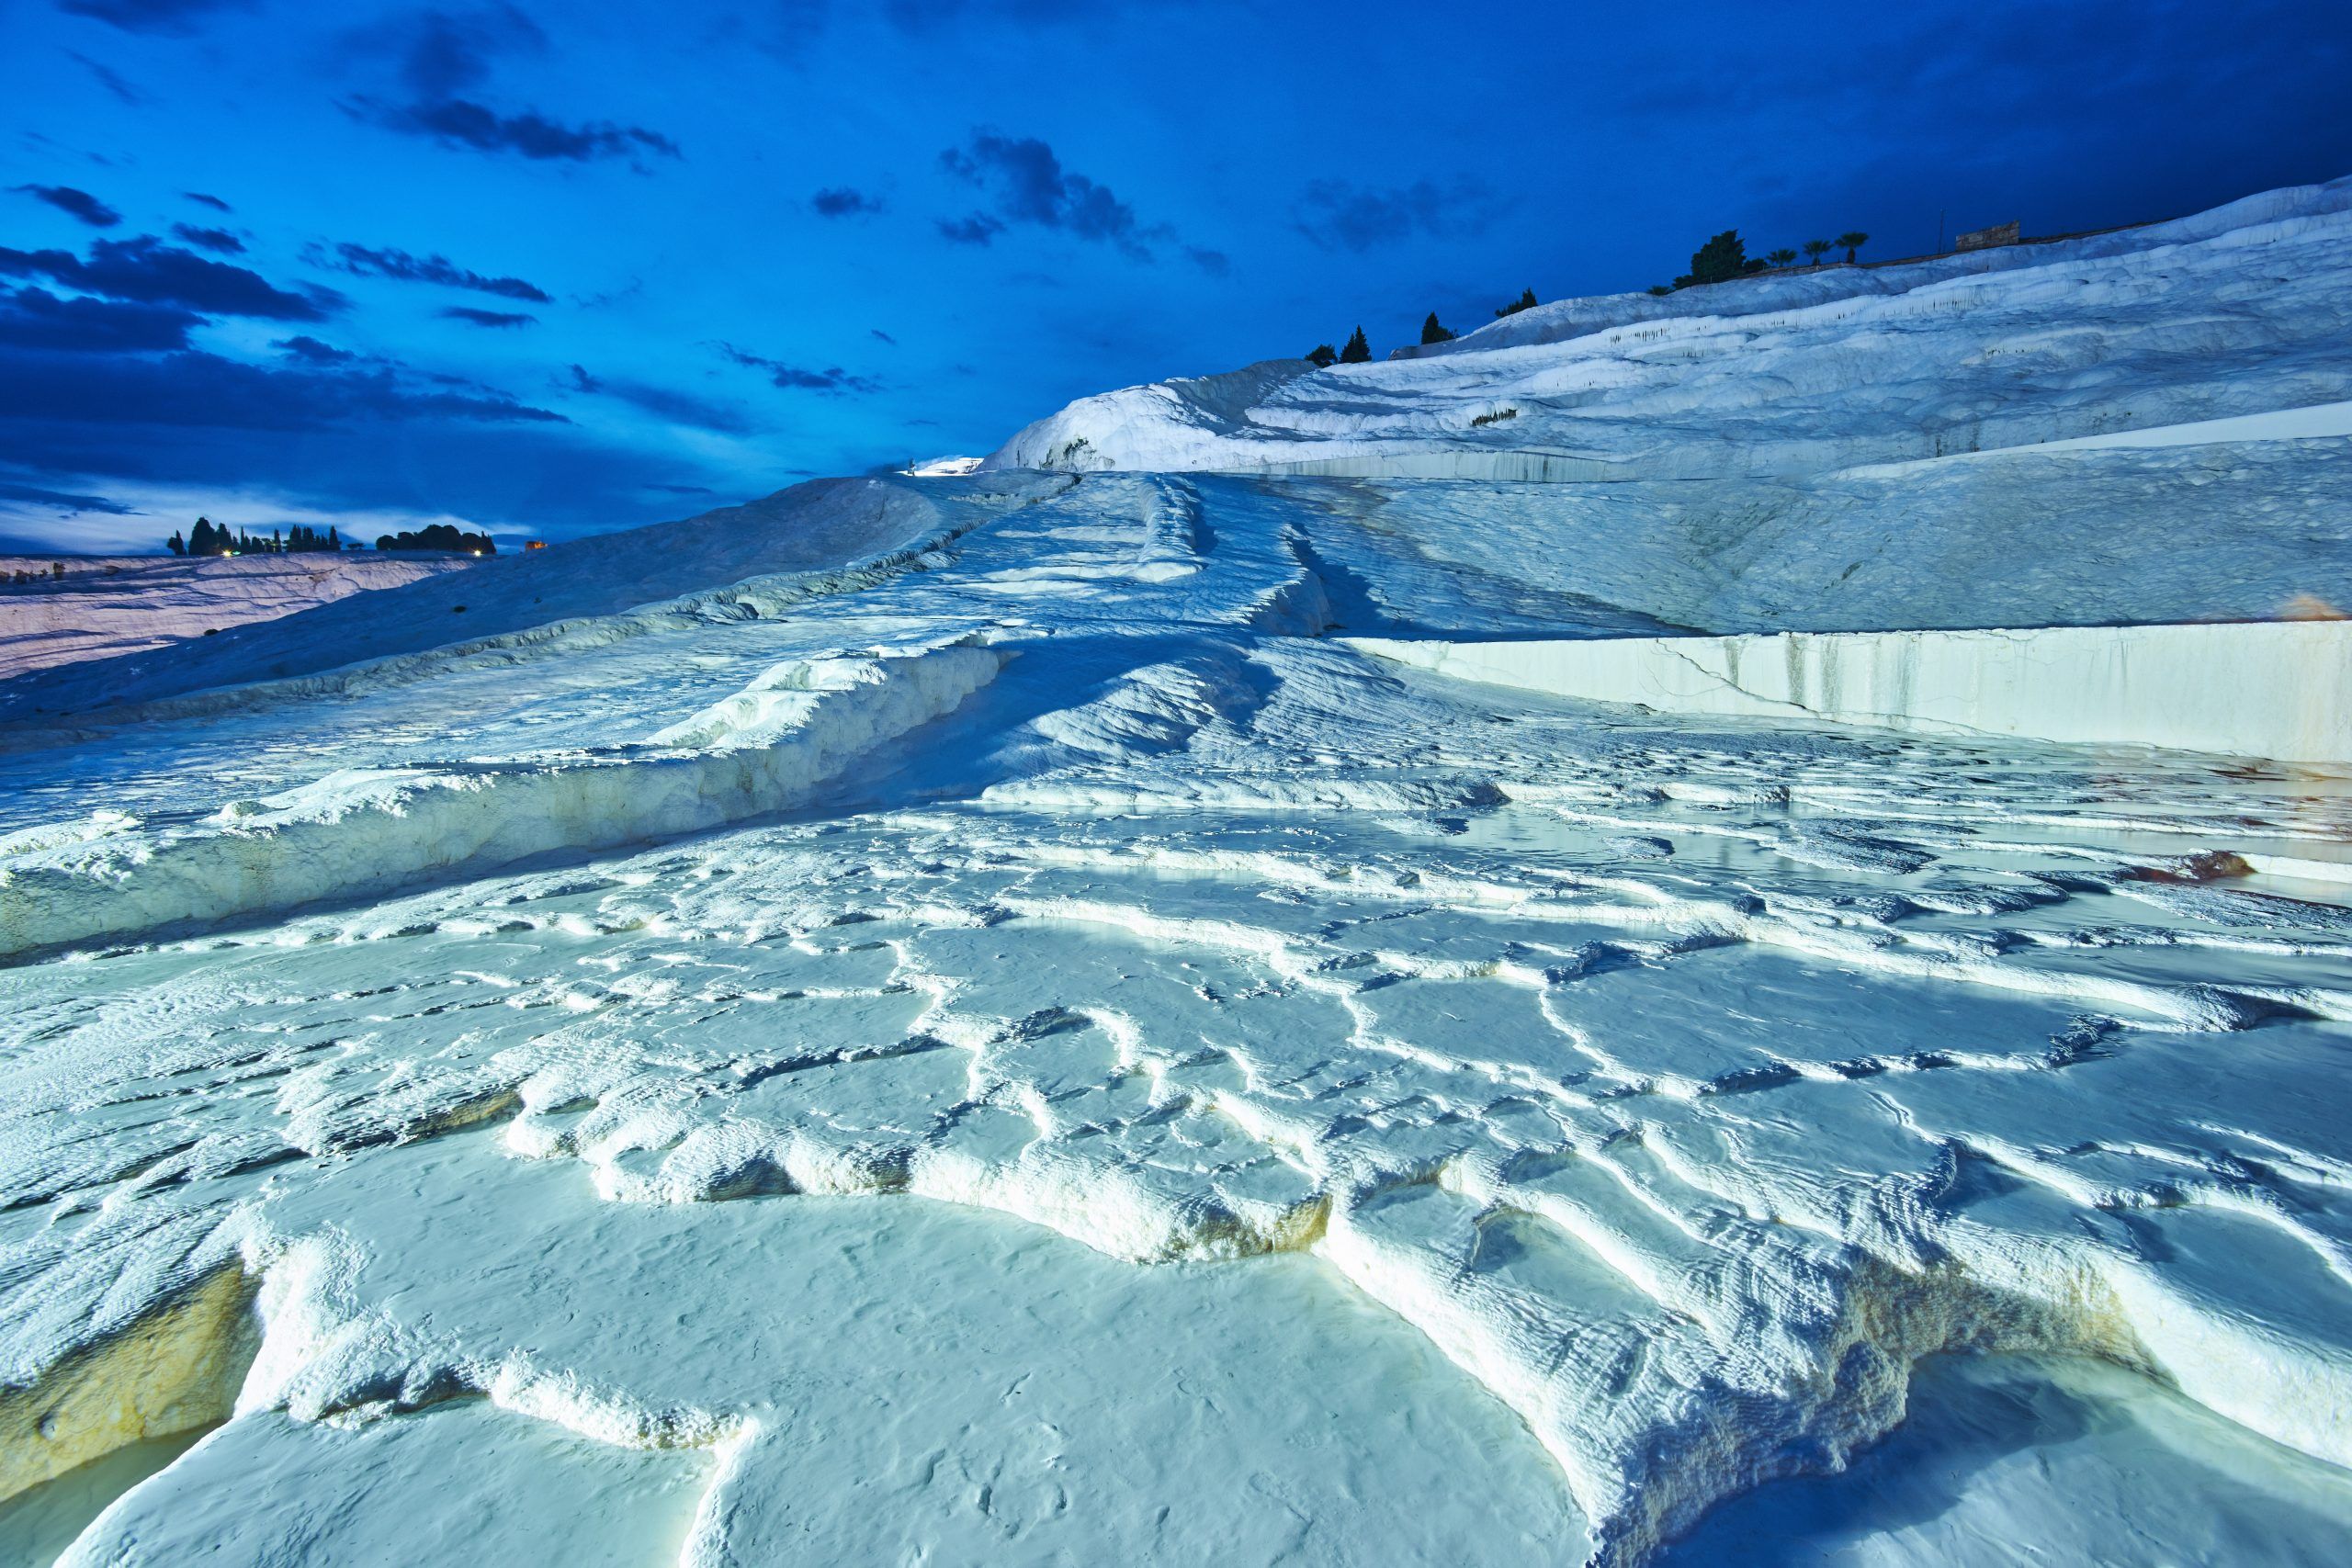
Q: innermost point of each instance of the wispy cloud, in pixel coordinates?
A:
(219, 240)
(178, 17)
(488, 318)
(1337, 214)
(81, 204)
(387, 262)
(443, 60)
(833, 378)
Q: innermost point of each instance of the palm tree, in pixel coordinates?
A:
(1853, 240)
(1814, 250)
(1781, 257)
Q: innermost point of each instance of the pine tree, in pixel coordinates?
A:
(1853, 240)
(1526, 301)
(1358, 351)
(1432, 330)
(1322, 356)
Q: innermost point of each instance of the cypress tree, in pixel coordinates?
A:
(1358, 351)
(178, 545)
(1432, 330)
(335, 540)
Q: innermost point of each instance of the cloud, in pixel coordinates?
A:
(195, 388)
(311, 351)
(34, 318)
(1336, 213)
(218, 240)
(1032, 186)
(1029, 185)
(66, 505)
(180, 16)
(397, 264)
(883, 337)
(833, 379)
(461, 122)
(212, 201)
(80, 203)
(676, 408)
(977, 229)
(148, 270)
(683, 490)
(442, 59)
(109, 78)
(844, 201)
(488, 318)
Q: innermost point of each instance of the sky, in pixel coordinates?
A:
(548, 270)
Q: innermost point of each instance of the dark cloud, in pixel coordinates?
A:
(218, 240)
(1335, 213)
(682, 489)
(488, 318)
(34, 318)
(194, 389)
(1029, 184)
(661, 402)
(109, 78)
(795, 378)
(311, 351)
(844, 201)
(442, 59)
(442, 51)
(64, 503)
(461, 122)
(977, 229)
(148, 270)
(180, 16)
(80, 203)
(388, 262)
(212, 201)
(883, 337)
(1031, 187)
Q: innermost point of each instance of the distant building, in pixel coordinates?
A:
(534, 544)
(1986, 238)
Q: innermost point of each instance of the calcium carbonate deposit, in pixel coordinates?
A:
(960, 1019)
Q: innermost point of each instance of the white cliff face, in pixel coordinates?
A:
(955, 1022)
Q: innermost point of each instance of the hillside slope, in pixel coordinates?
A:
(2240, 310)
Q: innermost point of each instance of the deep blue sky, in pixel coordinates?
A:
(550, 269)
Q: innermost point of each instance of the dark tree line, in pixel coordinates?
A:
(208, 538)
(439, 536)
(1725, 257)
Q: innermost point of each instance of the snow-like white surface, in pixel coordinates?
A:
(949, 1019)
(944, 468)
(105, 607)
(2239, 311)
(2180, 686)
